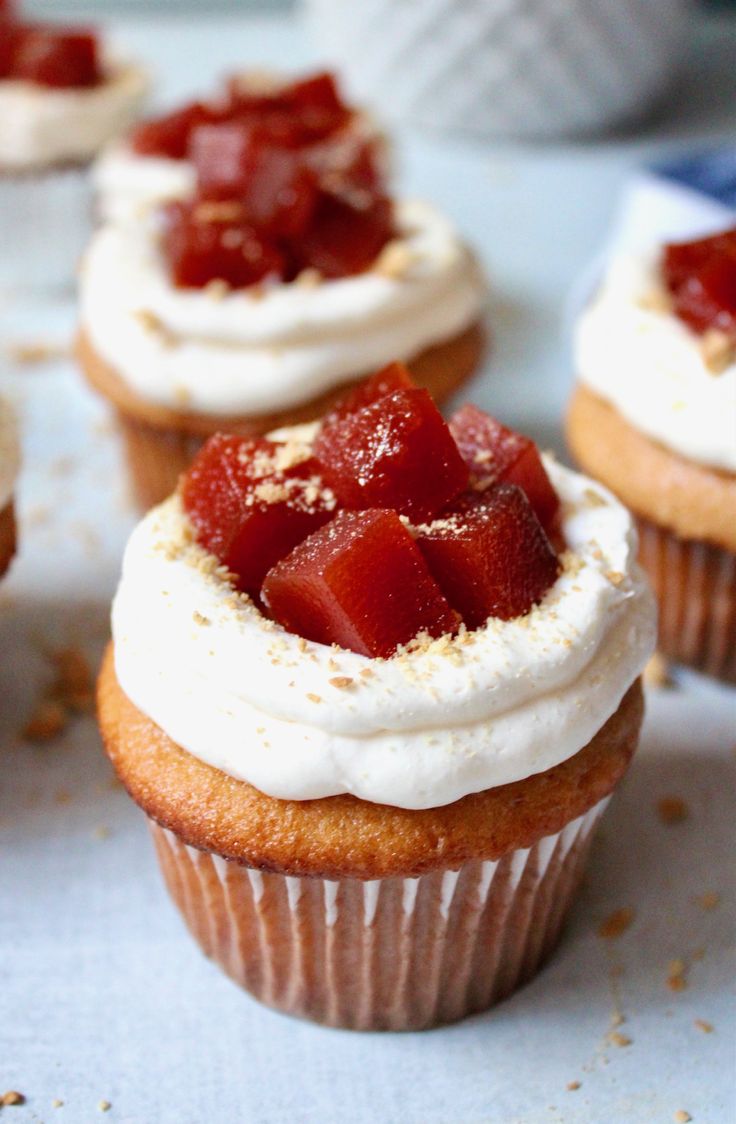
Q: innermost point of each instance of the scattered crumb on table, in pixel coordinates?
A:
(616, 924)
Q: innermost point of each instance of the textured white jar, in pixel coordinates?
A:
(515, 68)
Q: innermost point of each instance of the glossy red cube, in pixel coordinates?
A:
(708, 299)
(343, 240)
(204, 242)
(492, 560)
(681, 260)
(248, 509)
(395, 453)
(238, 161)
(169, 135)
(361, 583)
(496, 454)
(392, 377)
(55, 57)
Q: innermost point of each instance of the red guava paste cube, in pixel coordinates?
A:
(392, 377)
(55, 57)
(237, 161)
(169, 135)
(9, 35)
(343, 240)
(495, 454)
(397, 452)
(249, 510)
(681, 260)
(360, 582)
(201, 243)
(493, 560)
(708, 299)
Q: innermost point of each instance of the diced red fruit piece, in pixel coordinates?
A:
(169, 135)
(496, 454)
(708, 299)
(295, 115)
(55, 57)
(343, 240)
(246, 511)
(362, 583)
(701, 275)
(392, 377)
(493, 560)
(683, 259)
(206, 242)
(397, 452)
(277, 192)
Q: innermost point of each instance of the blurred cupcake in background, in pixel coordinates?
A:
(286, 274)
(62, 96)
(523, 68)
(9, 461)
(653, 416)
(153, 161)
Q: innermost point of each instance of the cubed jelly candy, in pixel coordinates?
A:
(361, 583)
(493, 560)
(205, 241)
(392, 377)
(343, 240)
(169, 135)
(701, 275)
(56, 57)
(249, 506)
(397, 452)
(235, 161)
(680, 260)
(495, 454)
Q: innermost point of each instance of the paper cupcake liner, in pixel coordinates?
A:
(156, 458)
(695, 584)
(7, 536)
(389, 954)
(45, 219)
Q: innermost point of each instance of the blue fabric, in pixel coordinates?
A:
(712, 172)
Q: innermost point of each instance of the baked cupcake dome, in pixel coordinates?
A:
(376, 842)
(652, 418)
(287, 276)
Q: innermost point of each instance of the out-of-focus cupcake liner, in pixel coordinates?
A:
(156, 458)
(389, 954)
(695, 584)
(45, 219)
(7, 536)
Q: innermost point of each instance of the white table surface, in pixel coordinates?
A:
(102, 994)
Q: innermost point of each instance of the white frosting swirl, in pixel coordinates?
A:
(251, 352)
(41, 126)
(126, 183)
(634, 352)
(416, 731)
(9, 453)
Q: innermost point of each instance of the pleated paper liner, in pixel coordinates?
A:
(7, 536)
(389, 954)
(695, 584)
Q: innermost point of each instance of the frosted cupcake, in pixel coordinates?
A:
(252, 304)
(61, 99)
(152, 161)
(371, 712)
(9, 458)
(653, 416)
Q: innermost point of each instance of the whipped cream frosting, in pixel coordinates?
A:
(41, 126)
(9, 453)
(300, 720)
(256, 351)
(125, 183)
(632, 350)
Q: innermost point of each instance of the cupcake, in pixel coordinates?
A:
(653, 416)
(372, 713)
(61, 99)
(153, 162)
(251, 303)
(9, 457)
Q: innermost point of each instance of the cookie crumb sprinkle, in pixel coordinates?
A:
(12, 1097)
(681, 1116)
(672, 810)
(704, 1025)
(314, 698)
(104, 1106)
(342, 682)
(616, 924)
(573, 1086)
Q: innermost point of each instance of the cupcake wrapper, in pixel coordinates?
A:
(7, 536)
(156, 458)
(389, 954)
(695, 584)
(45, 220)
